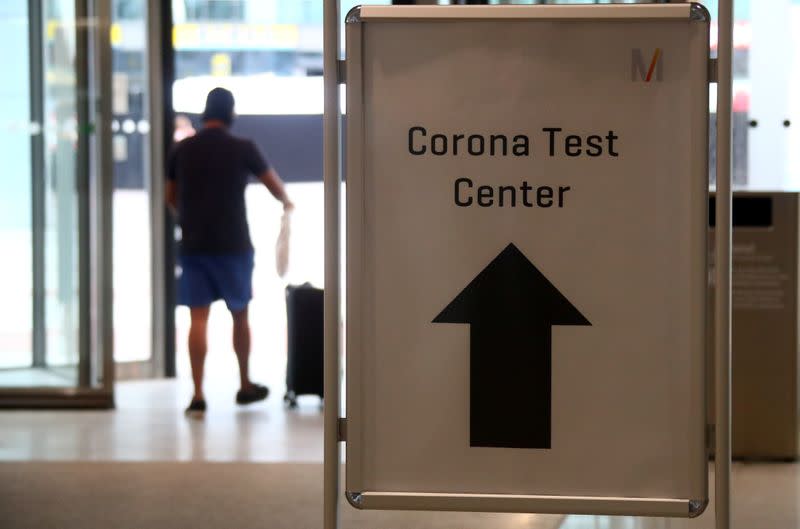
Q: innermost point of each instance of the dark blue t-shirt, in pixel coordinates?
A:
(211, 170)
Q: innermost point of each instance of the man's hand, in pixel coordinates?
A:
(288, 205)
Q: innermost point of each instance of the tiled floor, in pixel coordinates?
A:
(149, 426)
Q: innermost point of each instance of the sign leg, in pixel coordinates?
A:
(722, 354)
(332, 178)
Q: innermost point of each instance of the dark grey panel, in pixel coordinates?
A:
(292, 143)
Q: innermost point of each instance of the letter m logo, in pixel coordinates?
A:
(646, 71)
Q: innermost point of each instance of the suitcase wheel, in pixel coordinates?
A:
(290, 399)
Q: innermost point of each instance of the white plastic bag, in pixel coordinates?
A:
(282, 245)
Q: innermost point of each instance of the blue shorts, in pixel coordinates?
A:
(207, 278)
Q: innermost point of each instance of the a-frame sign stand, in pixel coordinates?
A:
(720, 72)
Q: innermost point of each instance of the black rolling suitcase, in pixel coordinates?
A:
(304, 359)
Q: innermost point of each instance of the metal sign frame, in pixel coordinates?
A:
(720, 71)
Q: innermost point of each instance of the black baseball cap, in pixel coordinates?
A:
(219, 106)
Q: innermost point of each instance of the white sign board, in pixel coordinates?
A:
(526, 258)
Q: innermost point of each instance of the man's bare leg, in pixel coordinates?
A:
(241, 344)
(198, 346)
(249, 391)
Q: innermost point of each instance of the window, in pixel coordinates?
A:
(128, 10)
(214, 9)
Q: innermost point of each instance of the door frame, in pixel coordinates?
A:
(164, 245)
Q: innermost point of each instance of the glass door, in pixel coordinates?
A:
(141, 46)
(55, 214)
(133, 156)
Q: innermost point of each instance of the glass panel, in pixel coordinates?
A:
(766, 81)
(769, 85)
(38, 223)
(132, 234)
(44, 319)
(16, 282)
(60, 189)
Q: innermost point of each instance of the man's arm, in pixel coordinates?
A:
(171, 196)
(171, 182)
(273, 182)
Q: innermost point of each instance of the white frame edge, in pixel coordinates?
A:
(722, 292)
(497, 503)
(332, 148)
(527, 12)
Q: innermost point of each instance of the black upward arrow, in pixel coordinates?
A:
(511, 307)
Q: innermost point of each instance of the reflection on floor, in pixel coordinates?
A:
(149, 427)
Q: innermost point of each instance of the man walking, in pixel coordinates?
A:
(206, 180)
